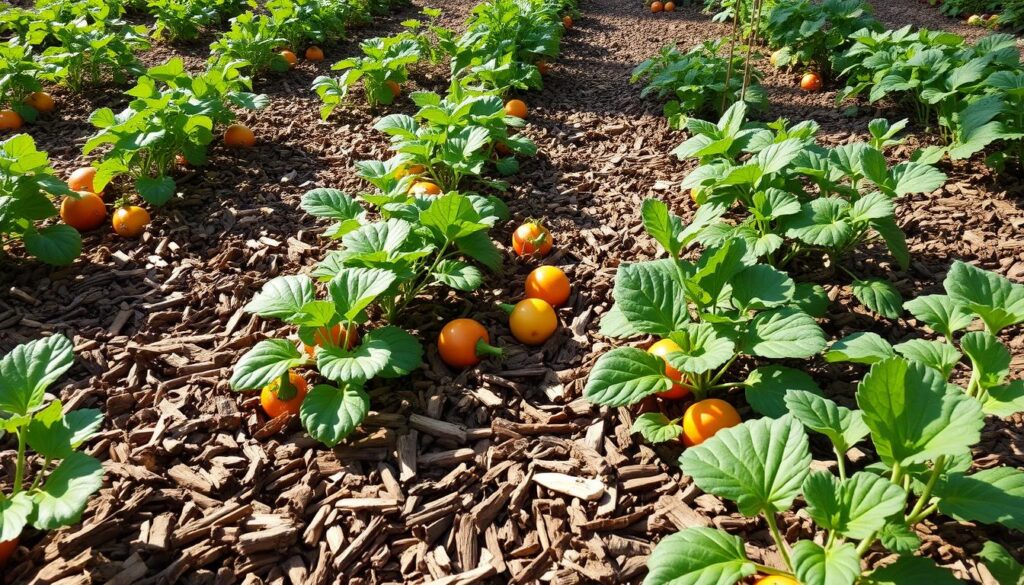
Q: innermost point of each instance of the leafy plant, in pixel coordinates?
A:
(717, 309)
(53, 489)
(172, 113)
(86, 52)
(253, 41)
(19, 78)
(27, 184)
(183, 19)
(696, 81)
(386, 63)
(810, 33)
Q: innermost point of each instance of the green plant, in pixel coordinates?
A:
(51, 490)
(452, 138)
(253, 41)
(183, 19)
(387, 60)
(696, 81)
(27, 184)
(715, 310)
(172, 113)
(811, 33)
(19, 78)
(86, 52)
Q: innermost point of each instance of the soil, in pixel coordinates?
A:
(200, 488)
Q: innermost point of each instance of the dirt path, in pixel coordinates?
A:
(158, 324)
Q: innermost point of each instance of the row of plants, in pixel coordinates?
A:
(421, 228)
(989, 13)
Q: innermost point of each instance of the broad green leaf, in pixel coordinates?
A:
(989, 496)
(811, 299)
(56, 244)
(459, 275)
(656, 427)
(353, 289)
(855, 508)
(915, 177)
(783, 333)
(914, 416)
(698, 556)
(862, 347)
(267, 361)
(844, 427)
(331, 204)
(1004, 401)
(155, 190)
(48, 434)
(935, 354)
(1001, 564)
(941, 313)
(481, 248)
(761, 287)
(283, 297)
(66, 492)
(615, 325)
(822, 222)
(650, 297)
(453, 216)
(330, 414)
(14, 514)
(989, 358)
(383, 351)
(999, 302)
(715, 270)
(662, 225)
(814, 565)
(894, 238)
(759, 464)
(625, 375)
(29, 369)
(768, 386)
(702, 349)
(880, 296)
(909, 570)
(898, 537)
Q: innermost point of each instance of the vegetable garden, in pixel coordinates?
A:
(511, 291)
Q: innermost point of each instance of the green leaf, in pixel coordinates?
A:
(768, 386)
(66, 492)
(914, 416)
(625, 375)
(880, 296)
(267, 361)
(811, 299)
(822, 222)
(615, 325)
(1001, 564)
(999, 302)
(698, 556)
(283, 297)
(715, 271)
(481, 248)
(915, 177)
(330, 414)
(860, 348)
(1005, 401)
(650, 297)
(656, 427)
(702, 349)
(935, 354)
(759, 464)
(783, 333)
(844, 427)
(989, 358)
(459, 275)
(387, 351)
(14, 514)
(54, 438)
(29, 369)
(331, 204)
(894, 238)
(156, 191)
(989, 496)
(908, 570)
(898, 537)
(813, 565)
(453, 216)
(662, 225)
(761, 287)
(57, 244)
(353, 289)
(941, 313)
(855, 508)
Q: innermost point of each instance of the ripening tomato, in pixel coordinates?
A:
(531, 239)
(314, 53)
(335, 336)
(463, 342)
(7, 549)
(810, 82)
(662, 348)
(9, 120)
(85, 212)
(774, 58)
(424, 188)
(544, 67)
(82, 180)
(532, 321)
(239, 136)
(776, 580)
(277, 401)
(657, 7)
(290, 58)
(502, 149)
(396, 90)
(567, 21)
(670, 7)
(516, 108)
(705, 418)
(548, 283)
(41, 102)
(130, 221)
(407, 170)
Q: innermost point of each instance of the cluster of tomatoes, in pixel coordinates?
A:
(86, 211)
(40, 101)
(658, 6)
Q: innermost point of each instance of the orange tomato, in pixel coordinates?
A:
(705, 418)
(548, 283)
(463, 342)
(7, 549)
(82, 180)
(239, 136)
(810, 82)
(314, 53)
(670, 7)
(776, 580)
(41, 101)
(531, 239)
(290, 58)
(567, 21)
(424, 188)
(502, 149)
(85, 212)
(130, 221)
(532, 321)
(657, 6)
(274, 405)
(333, 337)
(662, 348)
(396, 90)
(9, 120)
(544, 67)
(407, 170)
(516, 108)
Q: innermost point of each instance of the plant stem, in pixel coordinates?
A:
(926, 495)
(766, 570)
(783, 548)
(840, 462)
(19, 469)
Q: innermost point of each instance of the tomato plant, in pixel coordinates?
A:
(184, 19)
(387, 60)
(20, 73)
(252, 41)
(51, 490)
(27, 186)
(811, 33)
(86, 50)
